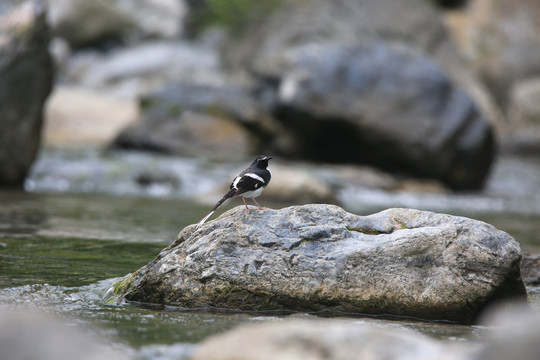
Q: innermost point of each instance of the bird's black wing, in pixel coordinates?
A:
(246, 183)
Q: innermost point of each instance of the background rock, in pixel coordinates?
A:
(530, 270)
(191, 134)
(87, 22)
(143, 68)
(382, 105)
(25, 82)
(414, 24)
(298, 184)
(500, 38)
(84, 23)
(515, 333)
(523, 134)
(374, 67)
(77, 117)
(193, 120)
(294, 184)
(321, 258)
(323, 339)
(34, 336)
(510, 331)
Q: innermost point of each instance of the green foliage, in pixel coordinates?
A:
(234, 15)
(175, 110)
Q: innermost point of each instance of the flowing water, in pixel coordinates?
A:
(61, 253)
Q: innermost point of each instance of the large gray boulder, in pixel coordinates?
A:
(320, 258)
(385, 105)
(26, 74)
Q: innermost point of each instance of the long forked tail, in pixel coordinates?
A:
(228, 195)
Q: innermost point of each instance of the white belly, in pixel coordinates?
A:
(253, 194)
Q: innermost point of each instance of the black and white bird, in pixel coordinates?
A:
(250, 183)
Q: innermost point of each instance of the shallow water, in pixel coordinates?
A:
(61, 252)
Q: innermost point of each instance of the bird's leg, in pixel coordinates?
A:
(259, 206)
(244, 200)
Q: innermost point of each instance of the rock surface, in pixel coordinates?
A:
(320, 258)
(323, 340)
(26, 74)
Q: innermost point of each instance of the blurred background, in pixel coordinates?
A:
(122, 121)
(361, 102)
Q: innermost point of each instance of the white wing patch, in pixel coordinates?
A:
(255, 176)
(235, 182)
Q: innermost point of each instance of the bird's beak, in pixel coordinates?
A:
(269, 157)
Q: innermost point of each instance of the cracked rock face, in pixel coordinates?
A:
(320, 258)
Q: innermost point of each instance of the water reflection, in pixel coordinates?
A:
(95, 216)
(19, 214)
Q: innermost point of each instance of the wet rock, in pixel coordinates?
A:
(78, 117)
(34, 336)
(371, 89)
(320, 258)
(323, 339)
(26, 74)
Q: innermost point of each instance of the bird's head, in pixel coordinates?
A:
(262, 162)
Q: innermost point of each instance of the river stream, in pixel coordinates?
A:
(61, 251)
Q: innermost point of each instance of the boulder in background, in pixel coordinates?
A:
(26, 75)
